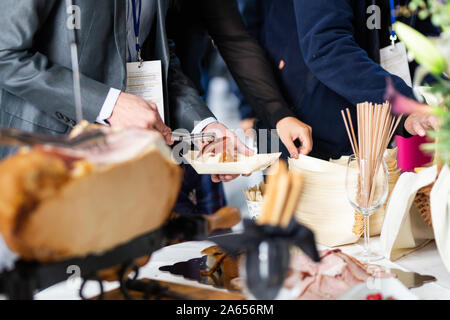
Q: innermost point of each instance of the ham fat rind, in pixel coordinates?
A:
(57, 204)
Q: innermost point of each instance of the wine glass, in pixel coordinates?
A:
(367, 187)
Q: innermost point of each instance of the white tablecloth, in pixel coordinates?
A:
(425, 261)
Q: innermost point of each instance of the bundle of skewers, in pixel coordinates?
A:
(376, 128)
(255, 193)
(255, 200)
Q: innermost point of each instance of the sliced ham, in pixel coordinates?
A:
(357, 269)
(117, 147)
(333, 276)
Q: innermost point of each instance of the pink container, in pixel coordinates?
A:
(409, 154)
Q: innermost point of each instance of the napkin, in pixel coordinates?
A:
(440, 215)
(404, 230)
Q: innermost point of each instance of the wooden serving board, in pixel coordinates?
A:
(195, 293)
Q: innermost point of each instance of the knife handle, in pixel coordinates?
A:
(209, 137)
(225, 218)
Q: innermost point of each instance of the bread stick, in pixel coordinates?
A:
(278, 184)
(295, 189)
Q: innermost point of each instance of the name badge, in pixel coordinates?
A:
(145, 81)
(395, 60)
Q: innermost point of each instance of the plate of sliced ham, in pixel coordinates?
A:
(337, 276)
(334, 276)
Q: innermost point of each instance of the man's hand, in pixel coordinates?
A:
(419, 123)
(291, 129)
(233, 143)
(133, 112)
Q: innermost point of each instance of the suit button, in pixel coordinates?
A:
(67, 120)
(73, 123)
(59, 116)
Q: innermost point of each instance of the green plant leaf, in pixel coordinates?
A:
(425, 52)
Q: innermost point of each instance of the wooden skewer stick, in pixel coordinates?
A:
(352, 141)
(353, 132)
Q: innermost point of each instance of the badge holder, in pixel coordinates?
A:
(75, 67)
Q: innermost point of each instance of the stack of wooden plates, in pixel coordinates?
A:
(324, 206)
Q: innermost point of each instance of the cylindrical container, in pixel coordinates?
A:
(254, 209)
(265, 273)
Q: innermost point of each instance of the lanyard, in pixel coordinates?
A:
(393, 20)
(137, 23)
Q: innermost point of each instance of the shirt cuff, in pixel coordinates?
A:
(108, 106)
(203, 124)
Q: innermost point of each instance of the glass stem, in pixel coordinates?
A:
(366, 235)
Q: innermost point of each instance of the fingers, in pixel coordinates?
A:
(155, 122)
(133, 112)
(223, 178)
(231, 141)
(152, 106)
(211, 147)
(304, 134)
(419, 129)
(228, 178)
(243, 149)
(228, 143)
(434, 122)
(168, 138)
(306, 140)
(290, 146)
(291, 129)
(165, 132)
(419, 123)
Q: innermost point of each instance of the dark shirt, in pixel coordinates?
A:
(252, 13)
(247, 61)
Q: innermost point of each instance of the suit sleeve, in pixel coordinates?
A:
(28, 74)
(326, 37)
(187, 107)
(246, 60)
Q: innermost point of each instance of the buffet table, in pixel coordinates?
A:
(424, 261)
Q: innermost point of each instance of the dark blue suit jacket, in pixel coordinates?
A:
(331, 63)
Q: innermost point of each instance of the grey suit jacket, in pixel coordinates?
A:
(35, 69)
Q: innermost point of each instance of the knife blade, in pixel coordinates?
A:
(412, 280)
(205, 137)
